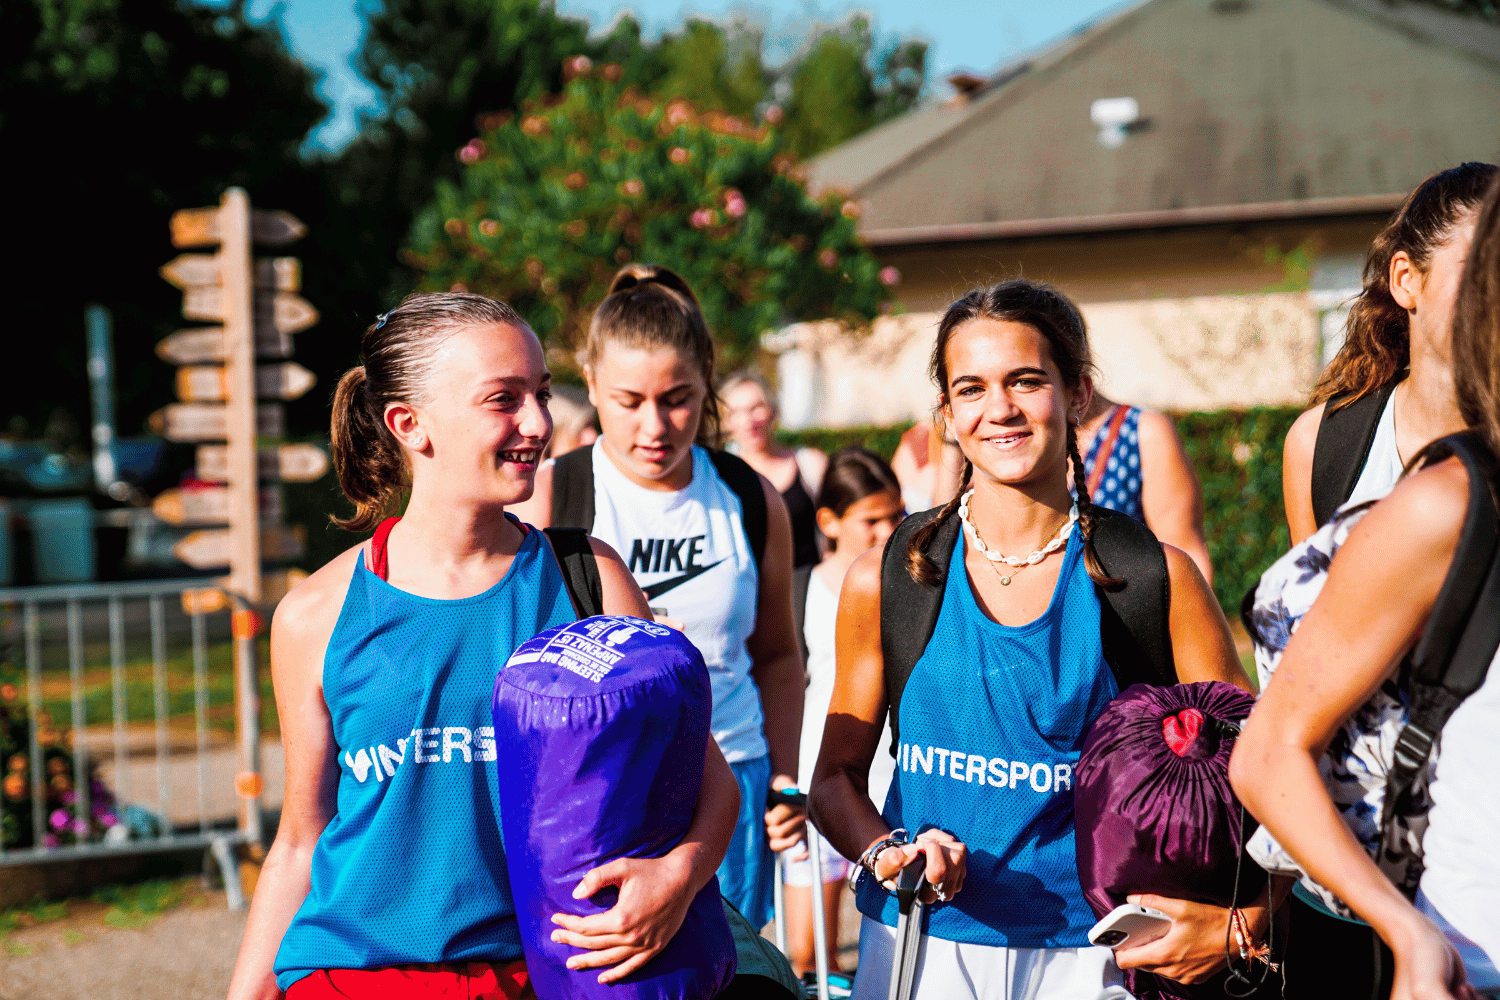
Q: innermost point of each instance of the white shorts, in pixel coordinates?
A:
(835, 866)
(951, 970)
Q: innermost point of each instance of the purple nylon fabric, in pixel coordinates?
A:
(1151, 820)
(600, 730)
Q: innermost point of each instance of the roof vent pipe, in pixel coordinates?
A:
(1114, 116)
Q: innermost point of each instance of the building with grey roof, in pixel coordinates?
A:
(1202, 176)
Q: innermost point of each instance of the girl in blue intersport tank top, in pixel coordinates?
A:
(995, 710)
(388, 875)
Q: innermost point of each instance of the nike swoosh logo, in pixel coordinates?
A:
(657, 589)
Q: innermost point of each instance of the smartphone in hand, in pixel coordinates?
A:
(1129, 926)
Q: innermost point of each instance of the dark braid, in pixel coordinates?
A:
(918, 564)
(1086, 517)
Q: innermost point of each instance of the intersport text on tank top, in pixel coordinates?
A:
(980, 771)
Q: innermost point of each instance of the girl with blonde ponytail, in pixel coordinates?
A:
(995, 710)
(388, 876)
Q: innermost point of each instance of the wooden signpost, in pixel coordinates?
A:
(227, 371)
(230, 384)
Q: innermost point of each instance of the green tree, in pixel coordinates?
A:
(840, 88)
(554, 200)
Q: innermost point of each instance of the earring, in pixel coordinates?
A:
(419, 442)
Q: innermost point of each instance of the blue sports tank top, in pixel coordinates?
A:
(1119, 484)
(992, 720)
(411, 868)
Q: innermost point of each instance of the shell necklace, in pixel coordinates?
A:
(1017, 563)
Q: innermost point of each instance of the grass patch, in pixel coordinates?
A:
(38, 911)
(139, 689)
(134, 906)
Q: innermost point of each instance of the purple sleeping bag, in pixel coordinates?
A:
(1153, 806)
(600, 730)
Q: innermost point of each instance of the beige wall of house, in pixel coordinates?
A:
(1185, 319)
(1197, 353)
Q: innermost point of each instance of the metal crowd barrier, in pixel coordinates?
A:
(188, 801)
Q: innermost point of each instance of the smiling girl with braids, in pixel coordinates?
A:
(995, 710)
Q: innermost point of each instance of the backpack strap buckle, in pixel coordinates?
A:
(1413, 749)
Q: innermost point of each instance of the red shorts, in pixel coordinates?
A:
(451, 981)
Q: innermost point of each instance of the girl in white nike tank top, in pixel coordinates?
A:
(660, 501)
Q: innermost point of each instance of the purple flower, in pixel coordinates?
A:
(59, 818)
(80, 826)
(68, 798)
(50, 840)
(108, 819)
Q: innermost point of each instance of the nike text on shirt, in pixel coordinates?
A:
(996, 772)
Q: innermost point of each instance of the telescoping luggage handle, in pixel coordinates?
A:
(909, 885)
(798, 800)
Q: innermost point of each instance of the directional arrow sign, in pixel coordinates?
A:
(282, 274)
(274, 585)
(207, 422)
(200, 344)
(199, 227)
(206, 383)
(207, 549)
(210, 505)
(292, 463)
(286, 311)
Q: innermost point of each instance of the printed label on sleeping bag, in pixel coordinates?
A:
(981, 771)
(590, 648)
(432, 745)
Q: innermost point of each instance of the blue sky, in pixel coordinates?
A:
(962, 34)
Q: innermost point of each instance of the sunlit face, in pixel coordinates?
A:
(481, 432)
(867, 523)
(1436, 292)
(1007, 404)
(749, 417)
(650, 400)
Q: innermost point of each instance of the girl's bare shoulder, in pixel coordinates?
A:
(311, 608)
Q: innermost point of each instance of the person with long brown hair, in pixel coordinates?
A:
(1389, 390)
(388, 875)
(994, 712)
(706, 537)
(1346, 661)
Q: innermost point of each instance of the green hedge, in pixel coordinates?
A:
(1237, 454)
(881, 440)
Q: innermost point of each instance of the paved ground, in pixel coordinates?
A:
(185, 954)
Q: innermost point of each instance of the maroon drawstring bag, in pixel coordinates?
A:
(1154, 811)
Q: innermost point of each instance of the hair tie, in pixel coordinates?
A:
(380, 320)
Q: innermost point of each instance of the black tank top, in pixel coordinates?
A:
(804, 523)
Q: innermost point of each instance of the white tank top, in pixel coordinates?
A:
(688, 551)
(820, 617)
(1383, 464)
(1462, 876)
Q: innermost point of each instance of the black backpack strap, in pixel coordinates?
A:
(1343, 444)
(801, 577)
(1453, 655)
(1134, 620)
(908, 609)
(745, 482)
(580, 571)
(573, 489)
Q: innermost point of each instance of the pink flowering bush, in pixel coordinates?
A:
(551, 202)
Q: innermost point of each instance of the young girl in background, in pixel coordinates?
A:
(680, 513)
(858, 507)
